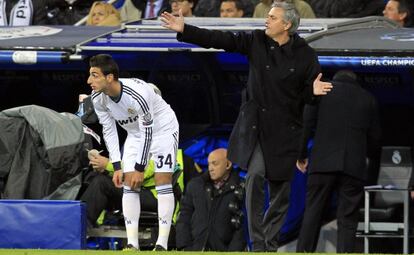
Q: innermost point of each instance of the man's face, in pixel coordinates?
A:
(275, 25)
(185, 6)
(229, 10)
(97, 80)
(218, 166)
(391, 12)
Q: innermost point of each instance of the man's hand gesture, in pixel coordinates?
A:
(172, 22)
(302, 164)
(321, 87)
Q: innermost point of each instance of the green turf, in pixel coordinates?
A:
(104, 252)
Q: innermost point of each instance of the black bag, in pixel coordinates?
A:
(244, 135)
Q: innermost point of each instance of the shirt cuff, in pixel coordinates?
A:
(117, 165)
(139, 167)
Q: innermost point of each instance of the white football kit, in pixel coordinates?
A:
(150, 122)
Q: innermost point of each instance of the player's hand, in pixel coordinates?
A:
(117, 178)
(302, 164)
(172, 22)
(134, 179)
(321, 87)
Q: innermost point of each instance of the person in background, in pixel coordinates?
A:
(400, 11)
(23, 12)
(231, 9)
(346, 8)
(103, 14)
(151, 8)
(210, 218)
(304, 9)
(211, 8)
(129, 12)
(186, 7)
(346, 129)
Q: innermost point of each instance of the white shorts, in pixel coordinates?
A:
(163, 151)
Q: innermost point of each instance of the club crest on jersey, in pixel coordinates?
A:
(131, 111)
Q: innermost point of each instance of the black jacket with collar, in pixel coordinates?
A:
(39, 11)
(346, 130)
(280, 83)
(204, 222)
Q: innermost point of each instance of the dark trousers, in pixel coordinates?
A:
(320, 187)
(102, 194)
(264, 227)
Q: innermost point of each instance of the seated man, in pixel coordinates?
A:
(400, 11)
(210, 217)
(186, 7)
(102, 194)
(23, 13)
(211, 8)
(231, 9)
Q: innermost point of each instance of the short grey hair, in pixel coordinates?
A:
(291, 14)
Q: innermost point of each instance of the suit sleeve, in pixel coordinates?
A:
(145, 111)
(110, 134)
(374, 132)
(311, 73)
(184, 237)
(309, 125)
(233, 42)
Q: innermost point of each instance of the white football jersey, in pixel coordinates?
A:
(140, 111)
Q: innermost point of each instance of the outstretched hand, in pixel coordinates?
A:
(172, 22)
(321, 87)
(302, 164)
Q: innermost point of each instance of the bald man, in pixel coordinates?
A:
(210, 217)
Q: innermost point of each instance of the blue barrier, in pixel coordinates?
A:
(42, 224)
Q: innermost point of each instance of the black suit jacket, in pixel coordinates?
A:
(346, 130)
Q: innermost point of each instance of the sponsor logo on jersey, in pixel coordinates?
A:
(128, 121)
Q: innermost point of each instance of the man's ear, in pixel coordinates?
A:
(110, 77)
(229, 164)
(288, 25)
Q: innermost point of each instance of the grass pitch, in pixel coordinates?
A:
(105, 252)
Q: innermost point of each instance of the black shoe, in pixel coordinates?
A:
(159, 248)
(130, 247)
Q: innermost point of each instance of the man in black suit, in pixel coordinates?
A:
(346, 130)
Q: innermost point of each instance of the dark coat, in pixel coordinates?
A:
(39, 11)
(280, 82)
(204, 222)
(347, 130)
(347, 8)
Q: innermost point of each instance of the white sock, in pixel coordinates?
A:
(131, 208)
(166, 205)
